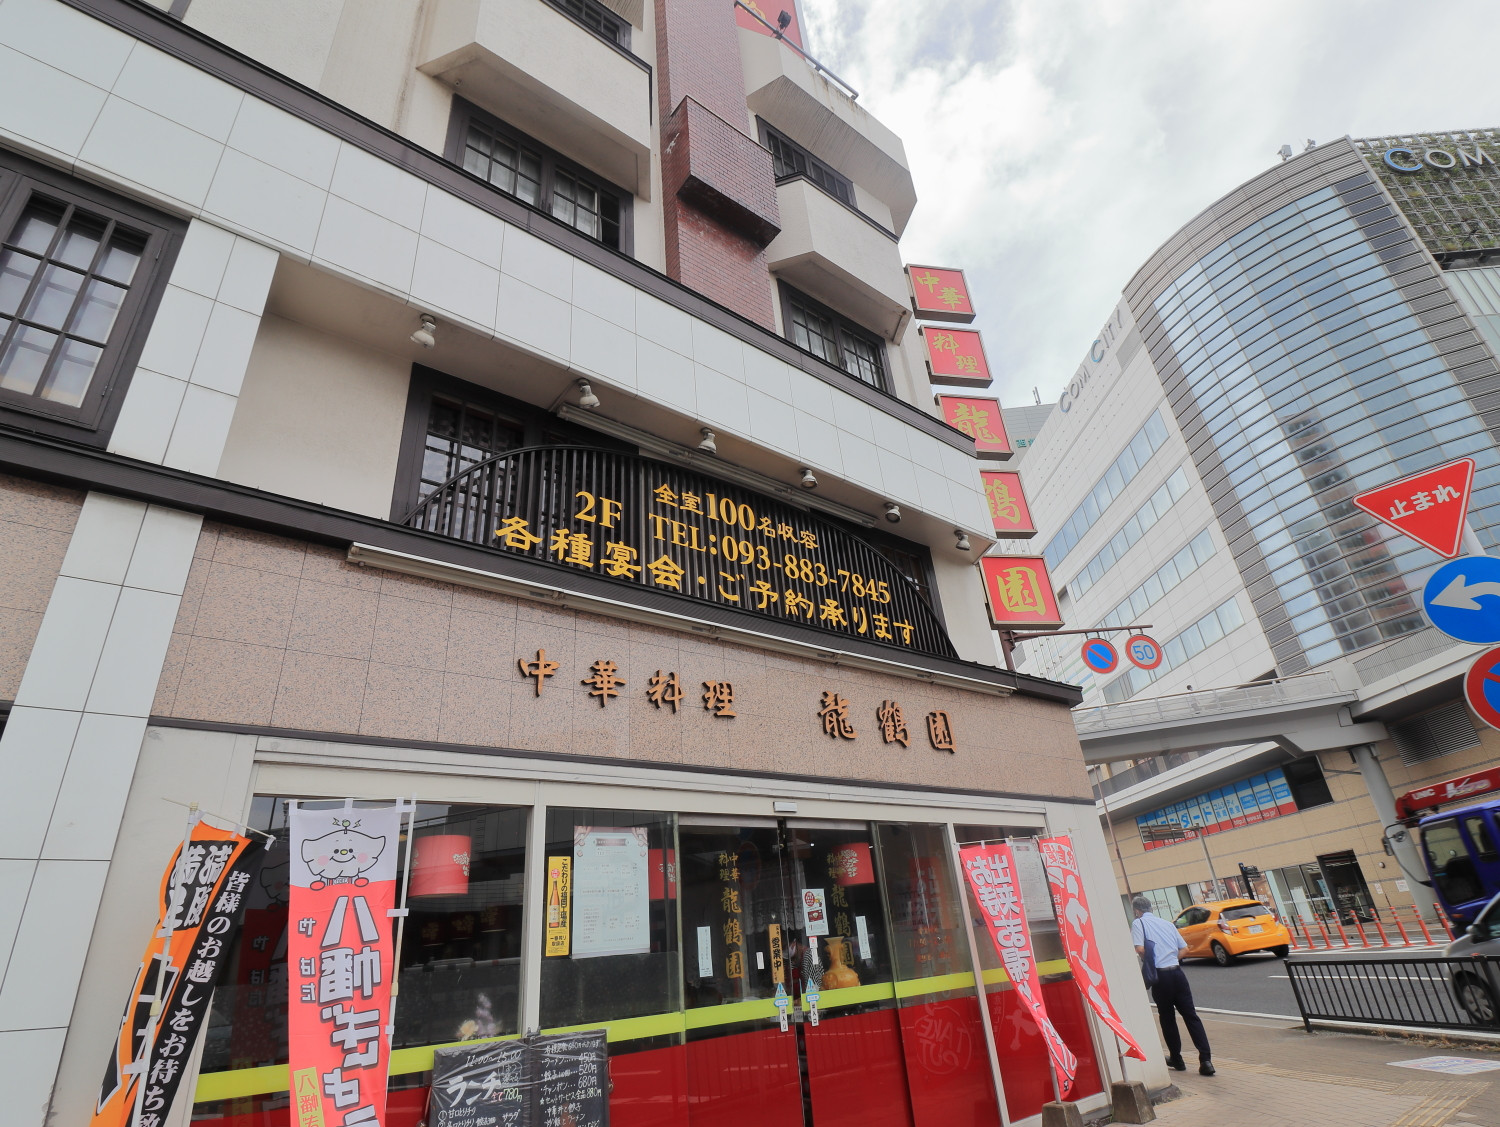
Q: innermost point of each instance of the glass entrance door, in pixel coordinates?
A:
(787, 919)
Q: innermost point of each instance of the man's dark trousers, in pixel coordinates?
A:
(1172, 993)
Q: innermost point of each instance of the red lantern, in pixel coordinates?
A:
(440, 865)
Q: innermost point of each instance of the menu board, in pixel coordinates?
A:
(1031, 875)
(611, 891)
(485, 1085)
(559, 1080)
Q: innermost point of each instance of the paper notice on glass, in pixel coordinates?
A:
(1031, 876)
(705, 952)
(814, 911)
(611, 891)
(862, 936)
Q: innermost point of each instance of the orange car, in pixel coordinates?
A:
(1222, 929)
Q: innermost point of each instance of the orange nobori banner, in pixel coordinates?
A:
(991, 872)
(1072, 907)
(199, 907)
(340, 962)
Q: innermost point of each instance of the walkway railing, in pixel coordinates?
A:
(1364, 929)
(1203, 703)
(1432, 993)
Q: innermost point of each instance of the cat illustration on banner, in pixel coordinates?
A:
(341, 856)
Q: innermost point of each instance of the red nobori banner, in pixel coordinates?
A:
(340, 962)
(198, 910)
(1072, 908)
(991, 873)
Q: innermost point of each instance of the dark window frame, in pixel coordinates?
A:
(844, 328)
(538, 428)
(814, 170)
(92, 421)
(466, 115)
(620, 39)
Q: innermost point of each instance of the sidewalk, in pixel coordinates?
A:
(1275, 1075)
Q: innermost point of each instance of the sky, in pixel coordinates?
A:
(1055, 144)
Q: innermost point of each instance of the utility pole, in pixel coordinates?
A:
(1108, 821)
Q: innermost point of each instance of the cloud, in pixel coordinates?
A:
(1056, 144)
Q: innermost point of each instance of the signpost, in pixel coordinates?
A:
(1462, 599)
(1100, 656)
(1430, 506)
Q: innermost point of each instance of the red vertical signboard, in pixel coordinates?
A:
(1072, 908)
(991, 870)
(340, 963)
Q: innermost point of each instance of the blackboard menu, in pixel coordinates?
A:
(561, 1080)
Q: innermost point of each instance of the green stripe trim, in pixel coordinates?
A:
(938, 984)
(242, 1082)
(757, 1009)
(852, 996)
(629, 1028)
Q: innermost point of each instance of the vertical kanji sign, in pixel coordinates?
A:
(340, 963)
(1072, 907)
(198, 910)
(990, 870)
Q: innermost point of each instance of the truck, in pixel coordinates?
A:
(1457, 845)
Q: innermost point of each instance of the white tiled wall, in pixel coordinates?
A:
(67, 758)
(123, 113)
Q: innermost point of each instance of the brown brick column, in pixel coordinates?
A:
(719, 190)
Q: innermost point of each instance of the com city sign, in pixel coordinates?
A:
(1407, 160)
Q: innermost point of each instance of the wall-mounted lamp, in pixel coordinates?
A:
(893, 512)
(808, 480)
(708, 445)
(962, 543)
(586, 397)
(426, 335)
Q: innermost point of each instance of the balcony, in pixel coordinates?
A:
(844, 259)
(784, 89)
(536, 69)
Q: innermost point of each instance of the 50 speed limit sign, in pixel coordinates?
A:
(1143, 651)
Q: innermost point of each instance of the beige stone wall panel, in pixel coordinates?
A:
(277, 633)
(36, 523)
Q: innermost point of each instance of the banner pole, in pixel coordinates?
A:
(400, 913)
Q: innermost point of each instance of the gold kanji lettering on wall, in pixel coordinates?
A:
(1003, 506)
(513, 533)
(606, 684)
(892, 723)
(940, 730)
(664, 688)
(834, 712)
(540, 668)
(718, 697)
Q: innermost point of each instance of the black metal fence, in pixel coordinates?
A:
(1461, 993)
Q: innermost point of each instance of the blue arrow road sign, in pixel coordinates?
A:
(1462, 599)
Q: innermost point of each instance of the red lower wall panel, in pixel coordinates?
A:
(743, 1080)
(947, 1065)
(648, 1089)
(1025, 1070)
(857, 1071)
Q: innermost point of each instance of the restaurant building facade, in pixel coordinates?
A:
(514, 407)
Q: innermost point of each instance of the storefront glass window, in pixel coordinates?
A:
(459, 959)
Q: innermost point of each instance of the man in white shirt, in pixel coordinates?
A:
(1171, 991)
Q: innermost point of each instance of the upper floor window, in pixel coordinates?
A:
(76, 278)
(791, 159)
(597, 18)
(522, 167)
(836, 339)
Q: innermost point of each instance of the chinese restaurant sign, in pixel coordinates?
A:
(1007, 502)
(980, 419)
(340, 962)
(199, 909)
(1019, 593)
(956, 356)
(990, 870)
(647, 524)
(939, 294)
(770, 11)
(1072, 907)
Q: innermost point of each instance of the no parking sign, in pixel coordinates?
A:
(1482, 686)
(1100, 656)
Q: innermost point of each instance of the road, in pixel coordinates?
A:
(1258, 983)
